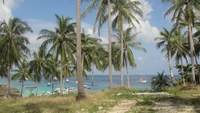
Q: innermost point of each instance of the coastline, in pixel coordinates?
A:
(13, 91)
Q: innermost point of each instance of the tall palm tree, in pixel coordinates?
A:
(128, 43)
(21, 73)
(166, 40)
(61, 41)
(40, 66)
(125, 10)
(180, 49)
(13, 44)
(189, 7)
(81, 93)
(103, 8)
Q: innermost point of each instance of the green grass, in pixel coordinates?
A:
(102, 100)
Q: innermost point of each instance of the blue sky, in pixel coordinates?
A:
(40, 14)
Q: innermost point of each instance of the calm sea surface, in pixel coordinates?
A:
(100, 82)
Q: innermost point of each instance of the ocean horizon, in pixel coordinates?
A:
(101, 82)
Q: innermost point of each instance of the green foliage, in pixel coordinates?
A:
(31, 94)
(187, 72)
(174, 91)
(159, 82)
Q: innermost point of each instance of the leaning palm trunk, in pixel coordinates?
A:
(191, 51)
(109, 47)
(174, 82)
(81, 94)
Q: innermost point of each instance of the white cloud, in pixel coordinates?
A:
(140, 59)
(147, 32)
(6, 9)
(146, 8)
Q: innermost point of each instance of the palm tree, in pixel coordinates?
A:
(124, 9)
(81, 93)
(128, 43)
(186, 9)
(40, 66)
(160, 81)
(166, 40)
(62, 44)
(21, 73)
(13, 44)
(180, 49)
(104, 8)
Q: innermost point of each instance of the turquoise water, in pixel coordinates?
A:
(100, 82)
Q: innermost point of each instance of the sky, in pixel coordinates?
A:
(40, 14)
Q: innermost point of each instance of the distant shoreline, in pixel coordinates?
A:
(14, 91)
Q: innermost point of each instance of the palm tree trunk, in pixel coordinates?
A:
(81, 94)
(36, 89)
(61, 78)
(128, 84)
(52, 84)
(22, 88)
(109, 46)
(122, 48)
(174, 82)
(197, 64)
(92, 76)
(183, 78)
(191, 51)
(8, 72)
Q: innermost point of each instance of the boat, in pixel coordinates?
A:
(76, 82)
(55, 79)
(67, 80)
(142, 79)
(48, 84)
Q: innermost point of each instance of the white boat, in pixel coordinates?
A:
(142, 79)
(76, 82)
(67, 80)
(48, 84)
(55, 79)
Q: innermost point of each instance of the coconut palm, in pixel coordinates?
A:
(103, 8)
(128, 43)
(160, 81)
(13, 44)
(21, 73)
(166, 40)
(40, 66)
(81, 93)
(61, 43)
(124, 11)
(180, 49)
(186, 9)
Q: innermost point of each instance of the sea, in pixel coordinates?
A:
(101, 82)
